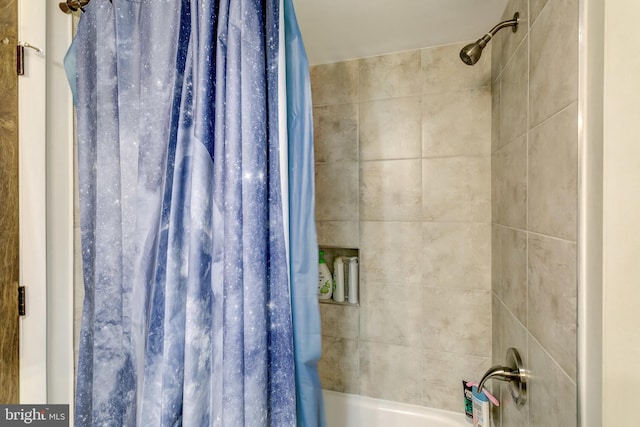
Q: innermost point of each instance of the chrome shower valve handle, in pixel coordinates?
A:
(513, 373)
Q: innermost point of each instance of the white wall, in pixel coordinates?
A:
(32, 119)
(621, 232)
(59, 211)
(46, 207)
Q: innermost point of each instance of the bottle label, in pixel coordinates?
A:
(323, 285)
(480, 413)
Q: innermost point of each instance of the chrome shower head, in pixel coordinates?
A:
(470, 54)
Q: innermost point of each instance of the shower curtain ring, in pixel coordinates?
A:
(70, 6)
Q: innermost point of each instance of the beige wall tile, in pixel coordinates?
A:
(496, 257)
(496, 325)
(390, 76)
(553, 298)
(495, 411)
(505, 42)
(457, 255)
(391, 313)
(511, 414)
(509, 184)
(340, 321)
(552, 395)
(334, 83)
(535, 7)
(442, 69)
(496, 90)
(337, 191)
(345, 234)
(339, 365)
(456, 189)
(497, 62)
(529, 185)
(456, 123)
(512, 288)
(553, 175)
(496, 349)
(554, 60)
(513, 334)
(443, 375)
(390, 129)
(513, 114)
(511, 40)
(390, 190)
(390, 252)
(463, 314)
(335, 132)
(389, 372)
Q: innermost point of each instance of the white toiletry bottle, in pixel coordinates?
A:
(325, 281)
(338, 280)
(353, 280)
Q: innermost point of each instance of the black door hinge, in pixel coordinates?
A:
(22, 301)
(20, 55)
(20, 60)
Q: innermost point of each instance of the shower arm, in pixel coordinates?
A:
(504, 24)
(508, 23)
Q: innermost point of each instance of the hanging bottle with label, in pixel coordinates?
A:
(481, 414)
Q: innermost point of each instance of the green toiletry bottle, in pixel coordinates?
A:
(325, 281)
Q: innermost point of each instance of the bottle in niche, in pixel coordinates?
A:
(353, 280)
(325, 281)
(338, 280)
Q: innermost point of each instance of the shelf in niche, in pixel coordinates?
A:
(332, 302)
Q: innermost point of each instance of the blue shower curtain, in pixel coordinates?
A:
(303, 241)
(196, 311)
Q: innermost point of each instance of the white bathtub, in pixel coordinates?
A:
(350, 410)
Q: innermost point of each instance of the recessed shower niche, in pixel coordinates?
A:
(348, 260)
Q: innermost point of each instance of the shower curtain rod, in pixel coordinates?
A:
(70, 6)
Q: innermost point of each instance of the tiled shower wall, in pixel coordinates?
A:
(403, 163)
(534, 181)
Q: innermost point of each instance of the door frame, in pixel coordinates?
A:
(46, 206)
